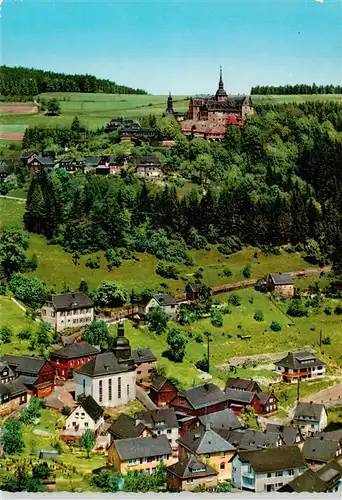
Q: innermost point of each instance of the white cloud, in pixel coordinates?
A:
(320, 1)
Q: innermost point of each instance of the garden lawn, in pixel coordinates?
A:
(13, 317)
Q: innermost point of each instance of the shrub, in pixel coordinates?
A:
(167, 271)
(297, 309)
(251, 300)
(31, 291)
(229, 245)
(93, 263)
(24, 334)
(227, 272)
(326, 340)
(247, 271)
(328, 311)
(338, 310)
(6, 335)
(235, 300)
(275, 326)
(199, 338)
(113, 259)
(216, 318)
(259, 315)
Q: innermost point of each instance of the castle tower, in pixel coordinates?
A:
(221, 94)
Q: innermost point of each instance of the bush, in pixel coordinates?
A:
(167, 271)
(235, 300)
(297, 309)
(229, 245)
(226, 310)
(113, 259)
(275, 326)
(216, 318)
(227, 272)
(326, 340)
(247, 271)
(259, 315)
(199, 338)
(93, 263)
(31, 291)
(24, 334)
(251, 300)
(328, 311)
(338, 310)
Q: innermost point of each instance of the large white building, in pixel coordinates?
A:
(109, 378)
(68, 310)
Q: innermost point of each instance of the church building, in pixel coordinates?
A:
(110, 378)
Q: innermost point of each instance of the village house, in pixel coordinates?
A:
(6, 167)
(36, 163)
(161, 421)
(242, 385)
(302, 365)
(266, 470)
(324, 480)
(319, 450)
(209, 447)
(87, 415)
(145, 361)
(12, 395)
(311, 418)
(140, 454)
(148, 167)
(164, 300)
(189, 474)
(109, 378)
(290, 434)
(221, 420)
(68, 310)
(127, 427)
(34, 372)
(71, 165)
(200, 400)
(6, 374)
(251, 439)
(69, 358)
(92, 162)
(162, 392)
(191, 291)
(262, 403)
(25, 157)
(281, 283)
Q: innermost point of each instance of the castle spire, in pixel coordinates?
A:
(221, 86)
(221, 94)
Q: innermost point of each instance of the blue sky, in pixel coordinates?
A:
(178, 46)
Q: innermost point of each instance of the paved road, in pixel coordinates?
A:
(331, 395)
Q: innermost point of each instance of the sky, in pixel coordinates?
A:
(178, 46)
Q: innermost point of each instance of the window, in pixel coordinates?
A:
(119, 387)
(86, 424)
(269, 474)
(207, 455)
(223, 454)
(189, 480)
(100, 391)
(127, 391)
(110, 389)
(83, 385)
(77, 414)
(147, 472)
(44, 312)
(153, 470)
(279, 473)
(249, 469)
(74, 424)
(169, 431)
(222, 466)
(291, 472)
(139, 372)
(132, 461)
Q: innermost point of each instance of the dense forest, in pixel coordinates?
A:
(22, 84)
(276, 182)
(299, 89)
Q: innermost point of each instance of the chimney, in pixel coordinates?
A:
(207, 426)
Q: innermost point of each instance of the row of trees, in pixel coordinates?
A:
(25, 83)
(297, 89)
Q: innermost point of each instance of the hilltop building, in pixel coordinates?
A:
(171, 112)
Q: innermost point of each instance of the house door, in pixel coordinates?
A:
(270, 487)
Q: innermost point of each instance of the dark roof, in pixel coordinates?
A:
(164, 418)
(334, 435)
(75, 350)
(92, 160)
(273, 459)
(28, 380)
(224, 419)
(29, 365)
(299, 359)
(67, 301)
(5, 366)
(5, 165)
(16, 388)
(165, 299)
(142, 161)
(143, 355)
(309, 411)
(244, 397)
(143, 447)
(46, 160)
(318, 481)
(204, 395)
(281, 279)
(4, 390)
(193, 286)
(91, 407)
(320, 449)
(240, 384)
(70, 339)
(203, 439)
(250, 439)
(288, 433)
(265, 396)
(126, 427)
(25, 156)
(158, 383)
(191, 468)
(105, 363)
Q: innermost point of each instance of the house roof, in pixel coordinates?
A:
(28, 380)
(143, 447)
(240, 384)
(105, 363)
(244, 397)
(29, 365)
(318, 481)
(92, 160)
(224, 419)
(164, 418)
(143, 355)
(16, 388)
(126, 427)
(204, 395)
(141, 161)
(75, 350)
(5, 366)
(191, 468)
(46, 160)
(203, 439)
(70, 339)
(165, 299)
(265, 396)
(320, 449)
(91, 407)
(287, 432)
(299, 359)
(4, 390)
(159, 382)
(281, 279)
(25, 156)
(309, 411)
(334, 435)
(250, 439)
(273, 459)
(193, 286)
(69, 301)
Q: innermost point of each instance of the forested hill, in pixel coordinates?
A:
(299, 89)
(24, 83)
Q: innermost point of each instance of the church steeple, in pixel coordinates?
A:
(221, 94)
(169, 109)
(121, 346)
(221, 86)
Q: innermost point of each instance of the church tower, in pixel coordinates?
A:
(121, 347)
(169, 108)
(221, 94)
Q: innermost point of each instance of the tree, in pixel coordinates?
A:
(107, 481)
(157, 320)
(177, 344)
(96, 333)
(275, 326)
(29, 414)
(83, 286)
(88, 441)
(13, 244)
(110, 294)
(216, 318)
(12, 440)
(31, 291)
(259, 315)
(247, 271)
(43, 334)
(297, 309)
(203, 302)
(53, 107)
(41, 471)
(6, 335)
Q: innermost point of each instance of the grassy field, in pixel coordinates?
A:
(94, 110)
(13, 317)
